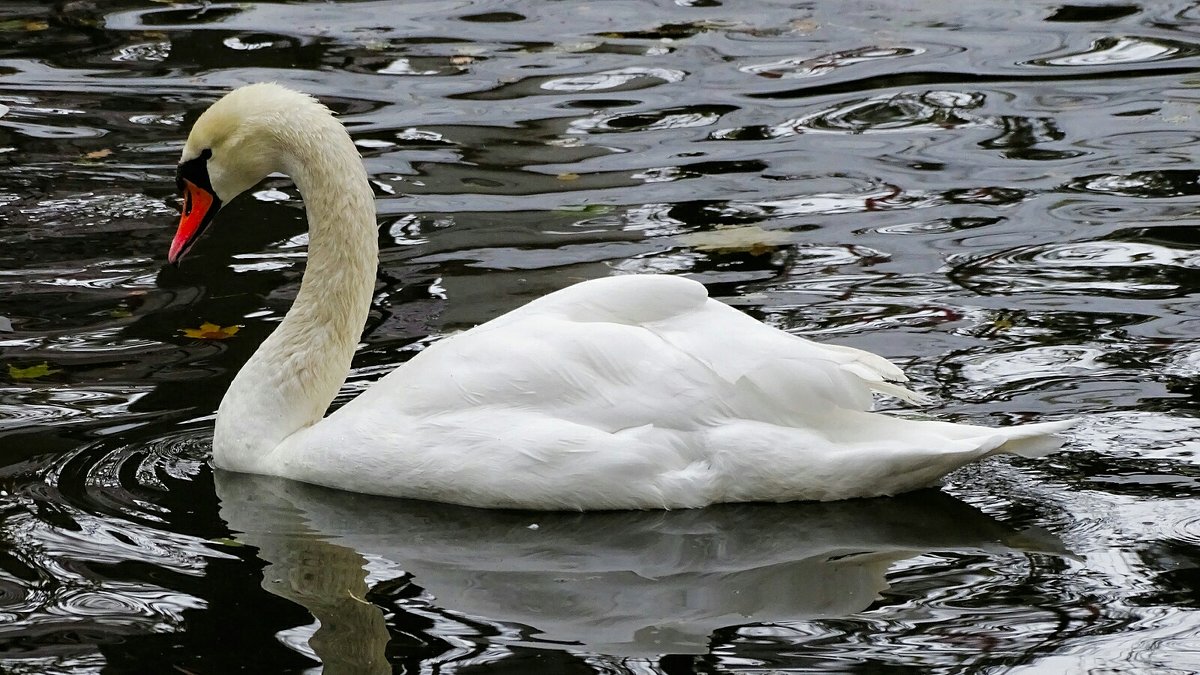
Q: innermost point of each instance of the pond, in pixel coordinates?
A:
(1000, 197)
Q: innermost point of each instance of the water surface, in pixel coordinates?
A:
(998, 196)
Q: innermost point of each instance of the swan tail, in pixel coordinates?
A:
(962, 444)
(1031, 440)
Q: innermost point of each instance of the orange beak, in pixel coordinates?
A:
(199, 207)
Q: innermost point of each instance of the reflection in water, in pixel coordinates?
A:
(622, 583)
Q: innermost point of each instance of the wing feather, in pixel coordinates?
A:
(630, 350)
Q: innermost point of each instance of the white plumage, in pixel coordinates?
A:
(623, 392)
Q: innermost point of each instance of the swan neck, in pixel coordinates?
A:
(293, 377)
(342, 242)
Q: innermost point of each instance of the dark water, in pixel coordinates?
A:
(1002, 197)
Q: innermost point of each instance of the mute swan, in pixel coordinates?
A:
(628, 392)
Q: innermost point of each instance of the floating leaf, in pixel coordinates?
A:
(568, 176)
(804, 25)
(40, 370)
(98, 154)
(590, 209)
(745, 239)
(22, 25)
(211, 331)
(5, 325)
(226, 541)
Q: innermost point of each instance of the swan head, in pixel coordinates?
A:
(232, 146)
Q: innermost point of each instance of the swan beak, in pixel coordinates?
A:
(199, 207)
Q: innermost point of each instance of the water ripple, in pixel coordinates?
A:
(1123, 49)
(995, 374)
(1145, 184)
(1119, 268)
(34, 405)
(651, 120)
(623, 79)
(827, 63)
(87, 554)
(929, 110)
(998, 197)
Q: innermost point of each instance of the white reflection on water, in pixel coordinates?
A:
(622, 583)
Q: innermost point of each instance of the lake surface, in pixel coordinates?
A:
(1001, 197)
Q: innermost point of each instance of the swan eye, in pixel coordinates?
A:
(195, 170)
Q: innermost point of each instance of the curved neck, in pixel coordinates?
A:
(294, 375)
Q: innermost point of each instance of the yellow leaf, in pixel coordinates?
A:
(568, 176)
(226, 541)
(211, 331)
(98, 154)
(16, 25)
(40, 370)
(750, 239)
(804, 25)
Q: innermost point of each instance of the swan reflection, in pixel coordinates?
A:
(625, 583)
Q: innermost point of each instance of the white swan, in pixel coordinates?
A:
(628, 392)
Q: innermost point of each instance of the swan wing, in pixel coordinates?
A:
(636, 349)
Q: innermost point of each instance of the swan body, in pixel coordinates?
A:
(627, 392)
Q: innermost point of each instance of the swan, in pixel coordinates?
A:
(625, 392)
